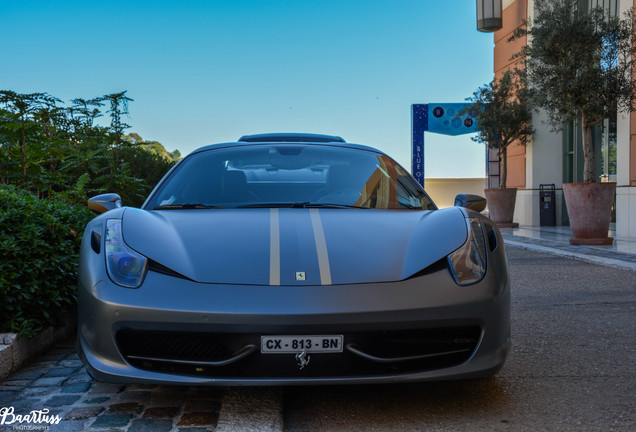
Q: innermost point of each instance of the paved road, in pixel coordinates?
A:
(572, 368)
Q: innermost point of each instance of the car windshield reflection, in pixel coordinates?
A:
(289, 175)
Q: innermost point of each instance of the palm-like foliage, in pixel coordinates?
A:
(503, 115)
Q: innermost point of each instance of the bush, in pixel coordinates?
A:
(39, 251)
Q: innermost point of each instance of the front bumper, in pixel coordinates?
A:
(425, 304)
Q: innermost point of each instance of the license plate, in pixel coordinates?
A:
(296, 344)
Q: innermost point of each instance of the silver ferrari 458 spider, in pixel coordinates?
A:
(291, 259)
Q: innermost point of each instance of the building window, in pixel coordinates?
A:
(607, 140)
(611, 6)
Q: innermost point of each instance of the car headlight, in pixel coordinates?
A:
(468, 263)
(125, 266)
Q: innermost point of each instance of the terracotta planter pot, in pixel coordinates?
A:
(589, 208)
(501, 204)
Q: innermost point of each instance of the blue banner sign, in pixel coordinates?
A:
(419, 124)
(444, 119)
(441, 118)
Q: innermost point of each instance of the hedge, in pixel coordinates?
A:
(39, 251)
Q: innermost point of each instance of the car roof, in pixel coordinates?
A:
(290, 137)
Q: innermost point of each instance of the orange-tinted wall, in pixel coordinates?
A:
(513, 17)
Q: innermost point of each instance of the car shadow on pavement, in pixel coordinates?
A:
(388, 407)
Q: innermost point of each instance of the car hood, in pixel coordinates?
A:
(294, 246)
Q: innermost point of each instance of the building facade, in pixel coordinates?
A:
(557, 158)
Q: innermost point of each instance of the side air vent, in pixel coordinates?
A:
(491, 236)
(96, 241)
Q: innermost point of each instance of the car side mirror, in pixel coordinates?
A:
(104, 202)
(470, 201)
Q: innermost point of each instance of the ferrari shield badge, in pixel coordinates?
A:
(300, 276)
(302, 359)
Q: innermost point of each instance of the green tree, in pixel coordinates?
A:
(153, 147)
(61, 152)
(145, 159)
(18, 125)
(118, 107)
(503, 115)
(580, 66)
(88, 158)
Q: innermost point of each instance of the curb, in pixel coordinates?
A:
(16, 351)
(594, 259)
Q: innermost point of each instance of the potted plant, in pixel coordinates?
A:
(503, 117)
(579, 66)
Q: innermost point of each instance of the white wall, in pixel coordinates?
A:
(444, 190)
(626, 212)
(544, 154)
(625, 195)
(527, 207)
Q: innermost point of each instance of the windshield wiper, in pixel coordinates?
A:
(333, 205)
(274, 205)
(186, 206)
(305, 204)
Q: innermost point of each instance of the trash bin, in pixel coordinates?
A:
(547, 209)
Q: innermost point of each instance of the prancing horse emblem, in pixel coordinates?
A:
(302, 358)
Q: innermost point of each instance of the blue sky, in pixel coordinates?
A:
(202, 72)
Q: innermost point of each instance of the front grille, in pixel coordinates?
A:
(172, 345)
(397, 344)
(399, 351)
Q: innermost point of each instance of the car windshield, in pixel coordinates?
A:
(289, 175)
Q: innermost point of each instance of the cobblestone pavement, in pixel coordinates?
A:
(57, 381)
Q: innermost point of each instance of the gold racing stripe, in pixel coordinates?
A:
(321, 247)
(274, 247)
